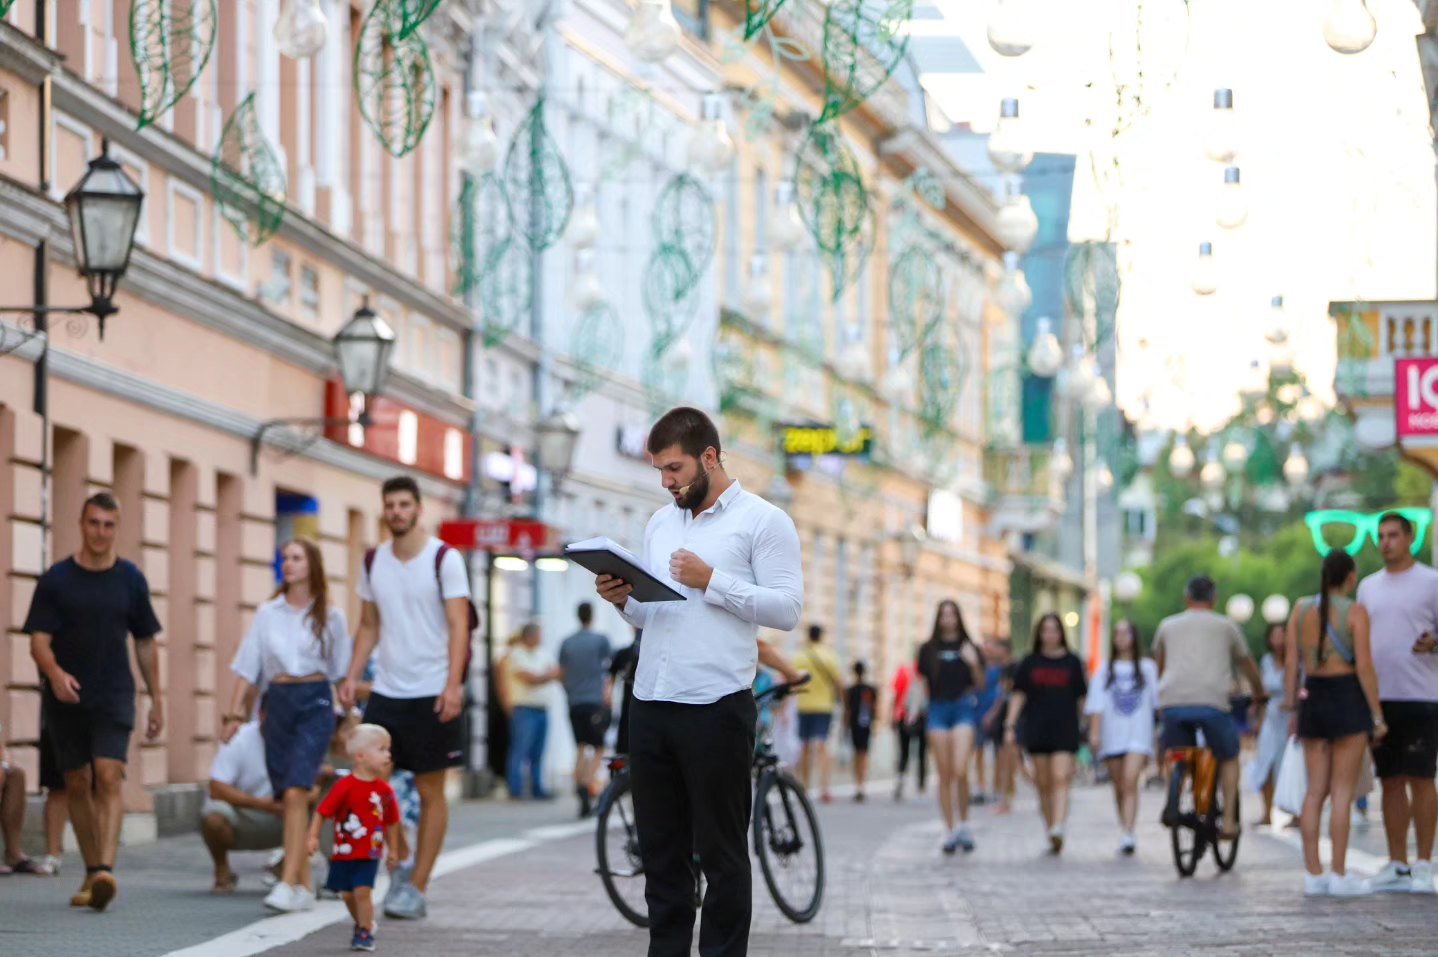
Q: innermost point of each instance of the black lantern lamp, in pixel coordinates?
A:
(104, 210)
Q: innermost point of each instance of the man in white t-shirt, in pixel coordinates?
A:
(415, 614)
(241, 813)
(1402, 604)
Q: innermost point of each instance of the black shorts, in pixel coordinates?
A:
(860, 739)
(1043, 737)
(589, 722)
(1410, 749)
(344, 877)
(50, 777)
(419, 742)
(1334, 708)
(79, 734)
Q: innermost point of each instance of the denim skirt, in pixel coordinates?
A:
(299, 721)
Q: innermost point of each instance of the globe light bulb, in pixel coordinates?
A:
(898, 385)
(1104, 478)
(584, 226)
(1277, 333)
(1232, 207)
(479, 149)
(1235, 453)
(681, 353)
(1240, 608)
(1211, 475)
(1127, 586)
(711, 149)
(1013, 295)
(853, 362)
(1045, 356)
(1295, 470)
(1017, 224)
(1205, 274)
(1010, 28)
(1061, 464)
(653, 33)
(1098, 396)
(1275, 609)
(757, 294)
(588, 291)
(1008, 150)
(1181, 460)
(1349, 26)
(1220, 139)
(301, 30)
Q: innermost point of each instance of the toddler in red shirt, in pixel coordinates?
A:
(365, 813)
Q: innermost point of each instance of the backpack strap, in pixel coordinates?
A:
(369, 566)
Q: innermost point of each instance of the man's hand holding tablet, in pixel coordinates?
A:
(613, 590)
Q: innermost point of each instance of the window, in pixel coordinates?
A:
(408, 437)
(185, 225)
(693, 15)
(309, 293)
(277, 288)
(453, 454)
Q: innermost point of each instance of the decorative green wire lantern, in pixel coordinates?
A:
(864, 42)
(170, 43)
(916, 297)
(506, 290)
(829, 189)
(394, 80)
(413, 14)
(757, 14)
(596, 344)
(670, 287)
(684, 219)
(846, 265)
(537, 183)
(940, 382)
(664, 378)
(246, 177)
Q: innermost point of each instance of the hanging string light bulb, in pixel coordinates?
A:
(1017, 223)
(1011, 28)
(1277, 333)
(1349, 27)
(1008, 147)
(588, 290)
(1295, 470)
(1205, 274)
(653, 33)
(853, 361)
(1013, 295)
(583, 229)
(1061, 464)
(1104, 477)
(1220, 137)
(1232, 206)
(711, 148)
(1181, 460)
(786, 228)
(757, 294)
(301, 30)
(478, 147)
(1046, 356)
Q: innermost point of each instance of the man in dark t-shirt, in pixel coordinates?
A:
(83, 609)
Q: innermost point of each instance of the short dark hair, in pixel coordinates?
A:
(585, 611)
(400, 483)
(104, 501)
(860, 668)
(690, 429)
(1201, 590)
(816, 632)
(1402, 521)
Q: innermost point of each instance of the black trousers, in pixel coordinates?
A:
(912, 736)
(690, 767)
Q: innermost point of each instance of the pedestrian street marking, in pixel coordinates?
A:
(895, 943)
(556, 832)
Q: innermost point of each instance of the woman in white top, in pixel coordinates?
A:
(1273, 735)
(1121, 704)
(297, 647)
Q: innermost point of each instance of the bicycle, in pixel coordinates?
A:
(1194, 811)
(784, 828)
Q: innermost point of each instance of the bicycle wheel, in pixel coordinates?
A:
(789, 846)
(1182, 818)
(616, 846)
(1225, 852)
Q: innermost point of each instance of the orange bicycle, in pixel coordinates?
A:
(1193, 813)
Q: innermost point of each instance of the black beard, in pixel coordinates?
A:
(698, 492)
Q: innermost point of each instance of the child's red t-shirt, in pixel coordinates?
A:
(361, 811)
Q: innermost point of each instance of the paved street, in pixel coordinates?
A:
(890, 892)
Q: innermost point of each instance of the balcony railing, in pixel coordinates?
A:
(1371, 335)
(1022, 494)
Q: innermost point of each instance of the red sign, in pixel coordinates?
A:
(1415, 397)
(402, 435)
(515, 536)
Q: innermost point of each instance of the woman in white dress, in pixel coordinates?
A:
(1122, 701)
(1263, 773)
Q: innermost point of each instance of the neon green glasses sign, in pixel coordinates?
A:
(1339, 528)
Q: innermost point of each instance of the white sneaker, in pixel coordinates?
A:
(1393, 878)
(1128, 845)
(964, 838)
(51, 863)
(1317, 885)
(304, 899)
(1348, 885)
(1423, 877)
(281, 898)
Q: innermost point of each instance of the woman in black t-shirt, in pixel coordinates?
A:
(952, 668)
(1048, 695)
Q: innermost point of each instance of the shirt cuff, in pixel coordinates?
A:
(719, 585)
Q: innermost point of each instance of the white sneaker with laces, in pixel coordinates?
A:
(304, 898)
(1316, 885)
(1393, 878)
(1423, 878)
(281, 898)
(1128, 845)
(1348, 885)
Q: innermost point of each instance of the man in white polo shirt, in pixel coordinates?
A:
(241, 813)
(736, 560)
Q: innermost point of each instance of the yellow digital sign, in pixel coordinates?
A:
(825, 440)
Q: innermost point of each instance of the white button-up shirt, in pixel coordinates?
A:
(698, 650)
(282, 641)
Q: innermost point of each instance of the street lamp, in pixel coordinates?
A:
(558, 437)
(911, 543)
(362, 350)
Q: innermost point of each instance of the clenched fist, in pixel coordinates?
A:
(689, 570)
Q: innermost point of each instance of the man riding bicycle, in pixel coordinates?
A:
(1197, 652)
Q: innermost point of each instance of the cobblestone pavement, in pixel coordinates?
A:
(889, 893)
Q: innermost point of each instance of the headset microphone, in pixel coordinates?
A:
(684, 489)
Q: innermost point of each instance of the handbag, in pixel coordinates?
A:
(1291, 788)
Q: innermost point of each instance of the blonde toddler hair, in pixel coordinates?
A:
(365, 736)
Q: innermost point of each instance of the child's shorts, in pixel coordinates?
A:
(348, 875)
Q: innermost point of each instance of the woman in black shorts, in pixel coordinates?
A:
(861, 701)
(1043, 717)
(1328, 638)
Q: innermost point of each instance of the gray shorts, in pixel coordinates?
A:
(254, 830)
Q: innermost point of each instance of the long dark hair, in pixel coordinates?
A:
(1135, 654)
(936, 635)
(319, 589)
(1039, 632)
(1337, 566)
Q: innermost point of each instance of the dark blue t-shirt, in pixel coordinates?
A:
(88, 615)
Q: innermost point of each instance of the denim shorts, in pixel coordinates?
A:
(1182, 724)
(815, 726)
(947, 715)
(298, 723)
(345, 876)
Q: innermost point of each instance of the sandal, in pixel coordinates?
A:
(225, 885)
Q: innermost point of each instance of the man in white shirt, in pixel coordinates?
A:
(241, 813)
(1402, 604)
(735, 558)
(415, 593)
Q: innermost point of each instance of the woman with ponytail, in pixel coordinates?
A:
(1328, 639)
